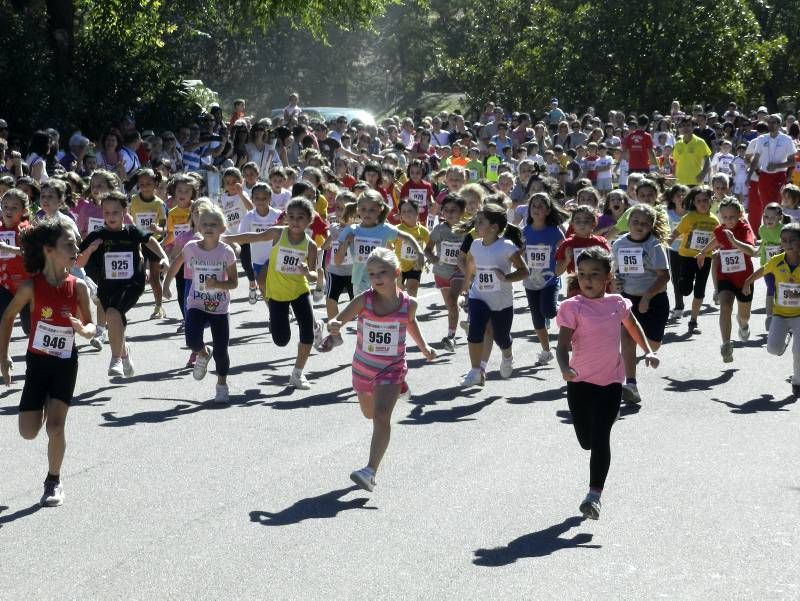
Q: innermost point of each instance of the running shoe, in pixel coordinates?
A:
(726, 350)
(318, 295)
(298, 381)
(693, 328)
(104, 334)
(474, 377)
(544, 358)
(100, 336)
(96, 343)
(115, 368)
(630, 394)
(506, 367)
(53, 495)
(329, 343)
(365, 478)
(449, 343)
(253, 298)
(222, 397)
(590, 508)
(464, 325)
(675, 314)
(192, 359)
(744, 331)
(201, 364)
(158, 312)
(181, 328)
(127, 363)
(318, 332)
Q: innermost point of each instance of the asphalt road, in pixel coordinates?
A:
(170, 497)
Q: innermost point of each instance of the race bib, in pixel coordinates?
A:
(473, 175)
(233, 216)
(418, 196)
(407, 252)
(486, 280)
(119, 265)
(380, 338)
(348, 258)
(95, 223)
(630, 260)
(538, 256)
(289, 260)
(9, 238)
(771, 251)
(260, 226)
(181, 228)
(700, 239)
(448, 253)
(731, 261)
(145, 220)
(202, 272)
(56, 341)
(788, 295)
(364, 246)
(493, 167)
(431, 221)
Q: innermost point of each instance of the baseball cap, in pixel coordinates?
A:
(762, 109)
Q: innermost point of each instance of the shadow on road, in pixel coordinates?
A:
(442, 394)
(10, 517)
(552, 394)
(315, 400)
(674, 385)
(536, 544)
(625, 410)
(418, 416)
(766, 402)
(327, 505)
(88, 398)
(155, 416)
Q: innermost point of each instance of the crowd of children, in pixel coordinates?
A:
(602, 222)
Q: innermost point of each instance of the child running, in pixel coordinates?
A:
(542, 236)
(59, 307)
(114, 251)
(14, 208)
(209, 267)
(785, 324)
(589, 324)
(770, 235)
(641, 275)
(736, 244)
(258, 220)
(292, 263)
(384, 316)
(583, 223)
(411, 262)
(673, 199)
(491, 296)
(149, 214)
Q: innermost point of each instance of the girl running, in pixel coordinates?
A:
(411, 262)
(491, 296)
(292, 263)
(673, 198)
(589, 325)
(736, 244)
(770, 234)
(417, 189)
(235, 203)
(785, 268)
(149, 214)
(115, 252)
(14, 207)
(384, 316)
(583, 223)
(209, 267)
(449, 279)
(59, 306)
(641, 274)
(258, 220)
(695, 230)
(542, 235)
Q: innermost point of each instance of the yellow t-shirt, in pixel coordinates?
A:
(696, 230)
(284, 281)
(177, 217)
(147, 212)
(406, 254)
(321, 206)
(689, 159)
(787, 280)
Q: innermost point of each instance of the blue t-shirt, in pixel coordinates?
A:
(365, 240)
(540, 256)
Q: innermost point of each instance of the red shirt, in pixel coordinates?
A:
(419, 188)
(638, 143)
(12, 270)
(348, 181)
(742, 233)
(52, 306)
(574, 242)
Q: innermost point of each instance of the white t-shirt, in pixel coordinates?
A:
(253, 222)
(234, 211)
(721, 163)
(486, 286)
(778, 149)
(279, 201)
(751, 152)
(605, 161)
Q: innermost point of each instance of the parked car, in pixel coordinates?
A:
(330, 113)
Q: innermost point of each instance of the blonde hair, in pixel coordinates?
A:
(374, 196)
(384, 256)
(199, 206)
(474, 189)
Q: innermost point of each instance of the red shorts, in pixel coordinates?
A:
(444, 282)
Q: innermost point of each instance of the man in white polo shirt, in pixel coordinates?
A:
(774, 154)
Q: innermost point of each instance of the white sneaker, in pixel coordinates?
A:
(365, 478)
(318, 295)
(544, 358)
(630, 394)
(474, 377)
(449, 343)
(96, 343)
(744, 331)
(222, 397)
(319, 331)
(464, 323)
(53, 495)
(104, 335)
(253, 296)
(201, 364)
(675, 314)
(299, 381)
(115, 368)
(506, 367)
(127, 363)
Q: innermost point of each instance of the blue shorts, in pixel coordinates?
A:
(257, 269)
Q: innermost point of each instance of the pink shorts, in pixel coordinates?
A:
(444, 282)
(393, 375)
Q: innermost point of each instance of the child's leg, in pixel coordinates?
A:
(700, 282)
(538, 301)
(726, 298)
(412, 286)
(279, 322)
(776, 339)
(220, 337)
(116, 331)
(180, 287)
(56, 415)
(714, 271)
(384, 399)
(743, 313)
(247, 264)
(196, 321)
(367, 404)
(451, 302)
(501, 322)
(675, 269)
(155, 282)
(304, 314)
(478, 320)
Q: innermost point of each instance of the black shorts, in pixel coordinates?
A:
(411, 274)
(149, 255)
(336, 284)
(48, 377)
(728, 286)
(655, 320)
(122, 297)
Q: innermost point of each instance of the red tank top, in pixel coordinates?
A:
(51, 331)
(12, 269)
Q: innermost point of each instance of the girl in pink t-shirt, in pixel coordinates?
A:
(590, 324)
